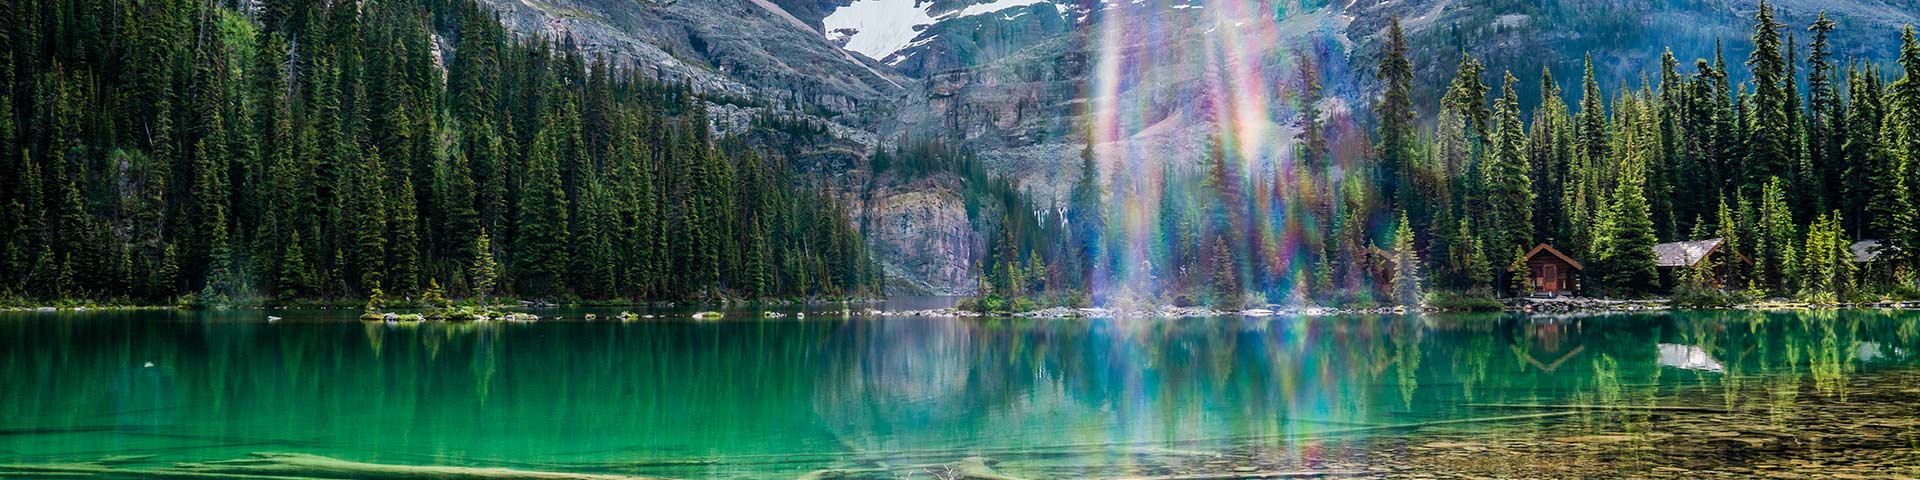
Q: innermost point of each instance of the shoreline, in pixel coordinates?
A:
(1523, 305)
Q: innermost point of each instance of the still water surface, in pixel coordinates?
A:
(759, 398)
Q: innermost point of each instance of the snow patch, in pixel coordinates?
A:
(878, 28)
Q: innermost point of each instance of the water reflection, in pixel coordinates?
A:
(197, 386)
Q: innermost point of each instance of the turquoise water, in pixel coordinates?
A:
(755, 398)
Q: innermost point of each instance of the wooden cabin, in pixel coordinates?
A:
(1673, 258)
(1554, 273)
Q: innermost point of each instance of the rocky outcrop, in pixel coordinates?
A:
(747, 47)
(920, 231)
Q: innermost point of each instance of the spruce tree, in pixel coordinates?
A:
(1395, 109)
(1627, 261)
(1768, 133)
(1509, 193)
(1824, 115)
(1406, 266)
(1776, 245)
(365, 229)
(1827, 262)
(1592, 119)
(294, 279)
(1891, 209)
(1311, 141)
(1870, 175)
(484, 270)
(1087, 220)
(540, 248)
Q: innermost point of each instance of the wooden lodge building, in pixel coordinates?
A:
(1554, 273)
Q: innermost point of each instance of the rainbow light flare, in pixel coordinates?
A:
(1173, 74)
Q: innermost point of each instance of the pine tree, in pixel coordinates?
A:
(1775, 245)
(1224, 276)
(1592, 120)
(209, 216)
(1902, 122)
(1827, 264)
(1509, 193)
(1406, 266)
(1519, 275)
(1824, 120)
(1869, 174)
(1396, 115)
(403, 269)
(365, 225)
(540, 244)
(294, 278)
(1087, 220)
(484, 270)
(1627, 260)
(759, 277)
(1312, 141)
(1768, 150)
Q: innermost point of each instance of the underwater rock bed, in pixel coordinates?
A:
(1867, 427)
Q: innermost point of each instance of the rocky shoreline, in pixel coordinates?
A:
(1527, 305)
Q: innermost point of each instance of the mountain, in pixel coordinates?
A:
(1020, 81)
(749, 47)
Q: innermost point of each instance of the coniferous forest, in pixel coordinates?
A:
(169, 150)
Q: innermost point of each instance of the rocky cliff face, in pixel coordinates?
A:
(920, 229)
(749, 47)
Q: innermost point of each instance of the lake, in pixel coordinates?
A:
(751, 397)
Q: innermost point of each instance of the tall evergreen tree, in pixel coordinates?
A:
(1769, 152)
(1824, 115)
(1395, 109)
(1509, 193)
(541, 240)
(1626, 257)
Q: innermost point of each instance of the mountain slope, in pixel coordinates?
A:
(741, 46)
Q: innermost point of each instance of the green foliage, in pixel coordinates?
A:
(1827, 266)
(1626, 255)
(1406, 266)
(1463, 302)
(1691, 296)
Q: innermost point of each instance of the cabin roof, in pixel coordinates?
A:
(1684, 254)
(1868, 250)
(1563, 257)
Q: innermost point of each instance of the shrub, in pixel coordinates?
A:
(1701, 297)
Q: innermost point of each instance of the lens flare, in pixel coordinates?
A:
(1246, 211)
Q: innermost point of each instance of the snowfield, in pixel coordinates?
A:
(881, 27)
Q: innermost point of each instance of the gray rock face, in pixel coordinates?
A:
(749, 47)
(920, 229)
